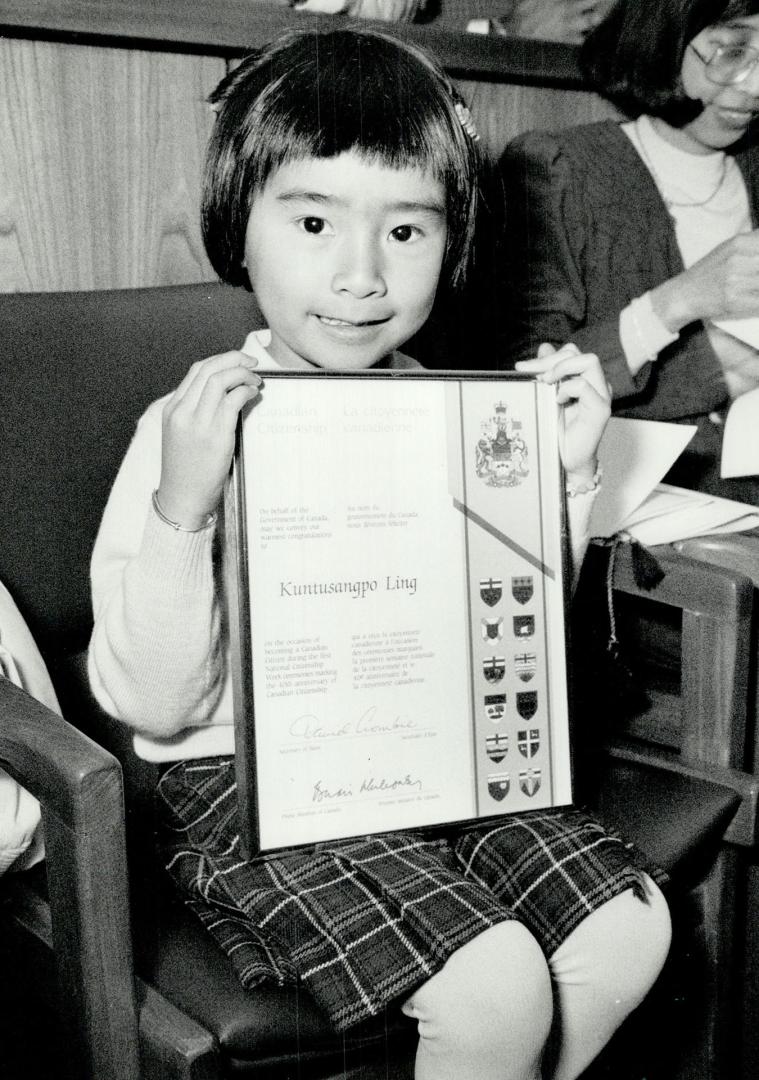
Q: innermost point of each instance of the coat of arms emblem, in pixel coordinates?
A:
(525, 665)
(528, 742)
(527, 703)
(497, 746)
(495, 707)
(524, 625)
(491, 590)
(522, 588)
(498, 786)
(529, 781)
(501, 453)
(492, 629)
(494, 668)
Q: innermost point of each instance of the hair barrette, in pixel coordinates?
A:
(466, 121)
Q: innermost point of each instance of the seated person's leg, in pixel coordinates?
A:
(487, 1013)
(603, 970)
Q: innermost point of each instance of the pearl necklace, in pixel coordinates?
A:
(672, 203)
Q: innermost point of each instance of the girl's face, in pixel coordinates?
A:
(728, 109)
(344, 256)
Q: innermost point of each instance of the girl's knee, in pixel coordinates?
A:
(646, 931)
(619, 949)
(492, 997)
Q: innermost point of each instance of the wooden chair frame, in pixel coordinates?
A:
(87, 920)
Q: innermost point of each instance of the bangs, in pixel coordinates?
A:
(354, 98)
(320, 95)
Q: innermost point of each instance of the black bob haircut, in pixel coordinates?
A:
(320, 94)
(634, 57)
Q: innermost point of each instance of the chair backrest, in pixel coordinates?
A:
(78, 371)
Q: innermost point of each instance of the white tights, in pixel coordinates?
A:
(486, 1015)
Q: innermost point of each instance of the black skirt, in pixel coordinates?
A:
(363, 922)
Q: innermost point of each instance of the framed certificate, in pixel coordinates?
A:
(395, 550)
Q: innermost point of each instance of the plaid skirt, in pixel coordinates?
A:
(363, 922)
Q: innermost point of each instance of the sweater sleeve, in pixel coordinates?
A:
(155, 658)
(545, 276)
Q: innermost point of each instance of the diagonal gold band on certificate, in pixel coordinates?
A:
(504, 539)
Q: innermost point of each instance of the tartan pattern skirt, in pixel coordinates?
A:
(364, 922)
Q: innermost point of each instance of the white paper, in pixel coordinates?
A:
(634, 455)
(744, 329)
(742, 524)
(740, 440)
(689, 513)
(663, 501)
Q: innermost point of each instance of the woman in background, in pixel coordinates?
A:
(635, 239)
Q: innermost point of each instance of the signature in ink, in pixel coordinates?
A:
(372, 784)
(325, 794)
(309, 726)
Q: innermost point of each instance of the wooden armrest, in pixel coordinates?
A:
(79, 787)
(54, 761)
(725, 593)
(743, 830)
(738, 551)
(716, 605)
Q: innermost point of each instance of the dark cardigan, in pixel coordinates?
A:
(586, 232)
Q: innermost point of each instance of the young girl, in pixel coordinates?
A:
(341, 187)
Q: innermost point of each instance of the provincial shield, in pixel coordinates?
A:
(497, 747)
(528, 742)
(494, 668)
(491, 590)
(492, 629)
(524, 626)
(498, 786)
(527, 703)
(529, 781)
(522, 589)
(525, 665)
(495, 707)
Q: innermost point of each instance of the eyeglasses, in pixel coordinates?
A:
(729, 64)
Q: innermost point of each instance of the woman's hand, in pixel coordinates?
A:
(722, 285)
(199, 435)
(583, 393)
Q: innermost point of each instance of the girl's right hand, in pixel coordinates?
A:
(724, 284)
(199, 421)
(585, 400)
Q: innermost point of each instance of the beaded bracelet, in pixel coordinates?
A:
(585, 489)
(210, 518)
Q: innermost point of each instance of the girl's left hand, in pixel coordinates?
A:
(583, 392)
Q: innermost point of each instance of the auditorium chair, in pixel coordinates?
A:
(132, 984)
